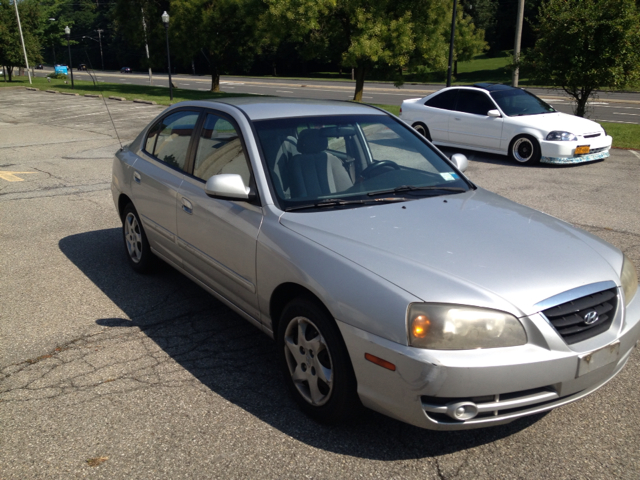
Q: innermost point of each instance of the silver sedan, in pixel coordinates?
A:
(386, 277)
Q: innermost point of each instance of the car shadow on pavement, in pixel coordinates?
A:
(237, 362)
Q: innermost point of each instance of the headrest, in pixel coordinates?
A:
(311, 141)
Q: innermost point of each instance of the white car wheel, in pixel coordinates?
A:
(525, 149)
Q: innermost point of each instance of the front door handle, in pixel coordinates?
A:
(136, 177)
(187, 206)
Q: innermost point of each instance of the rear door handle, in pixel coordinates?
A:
(136, 177)
(187, 206)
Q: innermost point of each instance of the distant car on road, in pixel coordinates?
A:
(39, 66)
(82, 66)
(508, 121)
(60, 69)
(125, 70)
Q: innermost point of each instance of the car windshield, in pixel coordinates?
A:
(347, 161)
(516, 102)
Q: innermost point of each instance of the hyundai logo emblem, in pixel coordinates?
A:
(591, 317)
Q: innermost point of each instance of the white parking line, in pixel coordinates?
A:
(637, 154)
(283, 91)
(624, 113)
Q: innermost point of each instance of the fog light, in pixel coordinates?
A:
(462, 410)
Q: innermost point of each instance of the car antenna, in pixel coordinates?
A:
(95, 83)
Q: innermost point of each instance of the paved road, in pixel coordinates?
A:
(150, 377)
(618, 107)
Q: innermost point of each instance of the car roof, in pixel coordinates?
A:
(493, 87)
(262, 108)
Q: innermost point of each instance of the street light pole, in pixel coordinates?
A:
(453, 35)
(100, 42)
(67, 32)
(24, 50)
(165, 20)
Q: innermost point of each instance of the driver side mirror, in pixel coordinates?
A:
(460, 161)
(228, 186)
(494, 113)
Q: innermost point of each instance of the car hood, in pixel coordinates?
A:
(558, 121)
(475, 248)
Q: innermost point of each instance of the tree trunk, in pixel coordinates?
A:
(215, 78)
(359, 74)
(10, 72)
(581, 96)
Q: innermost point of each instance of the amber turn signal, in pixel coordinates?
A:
(420, 326)
(380, 362)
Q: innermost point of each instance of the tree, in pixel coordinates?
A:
(11, 53)
(363, 34)
(223, 30)
(586, 45)
(469, 40)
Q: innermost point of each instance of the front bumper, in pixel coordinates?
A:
(501, 384)
(563, 153)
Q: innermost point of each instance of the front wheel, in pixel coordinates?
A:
(525, 150)
(315, 362)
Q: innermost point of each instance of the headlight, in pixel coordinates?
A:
(557, 136)
(629, 280)
(456, 327)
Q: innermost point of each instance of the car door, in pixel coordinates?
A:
(470, 125)
(158, 176)
(438, 111)
(218, 237)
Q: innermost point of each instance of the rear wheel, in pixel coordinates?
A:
(422, 129)
(525, 149)
(315, 362)
(136, 244)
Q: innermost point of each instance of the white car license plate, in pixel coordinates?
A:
(598, 358)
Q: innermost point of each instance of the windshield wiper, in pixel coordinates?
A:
(338, 202)
(411, 188)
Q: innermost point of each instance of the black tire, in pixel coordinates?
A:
(525, 150)
(423, 130)
(136, 244)
(304, 327)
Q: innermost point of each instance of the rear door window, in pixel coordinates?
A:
(169, 139)
(445, 100)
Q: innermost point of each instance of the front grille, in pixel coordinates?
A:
(570, 319)
(591, 135)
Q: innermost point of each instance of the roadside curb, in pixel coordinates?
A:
(120, 99)
(51, 91)
(70, 93)
(33, 89)
(148, 102)
(92, 95)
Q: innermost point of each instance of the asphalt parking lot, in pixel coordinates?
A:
(109, 374)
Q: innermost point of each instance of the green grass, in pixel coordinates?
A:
(159, 95)
(624, 135)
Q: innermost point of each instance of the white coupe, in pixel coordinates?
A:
(505, 120)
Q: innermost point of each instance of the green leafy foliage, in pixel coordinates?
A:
(585, 45)
(11, 52)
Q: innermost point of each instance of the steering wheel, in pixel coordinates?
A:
(375, 167)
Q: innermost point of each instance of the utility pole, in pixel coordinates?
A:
(146, 45)
(453, 36)
(24, 50)
(516, 46)
(100, 41)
